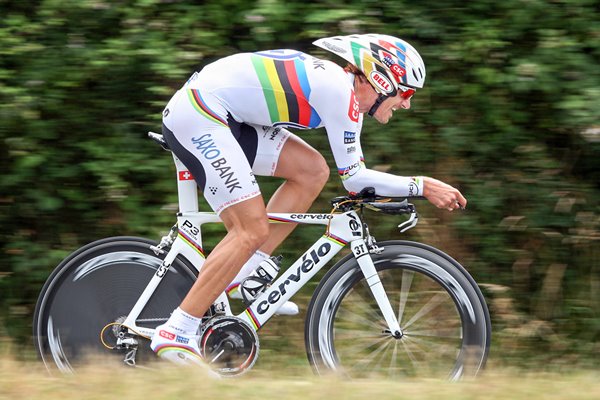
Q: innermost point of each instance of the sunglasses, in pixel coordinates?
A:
(406, 92)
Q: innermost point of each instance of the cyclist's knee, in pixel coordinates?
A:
(302, 164)
(313, 171)
(321, 171)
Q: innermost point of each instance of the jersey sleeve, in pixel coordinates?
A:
(339, 113)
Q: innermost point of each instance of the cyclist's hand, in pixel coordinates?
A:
(442, 195)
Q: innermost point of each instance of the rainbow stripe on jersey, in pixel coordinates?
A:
(286, 89)
(348, 172)
(200, 105)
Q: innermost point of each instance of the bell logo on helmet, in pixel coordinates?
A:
(381, 82)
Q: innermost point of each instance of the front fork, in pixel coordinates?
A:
(360, 249)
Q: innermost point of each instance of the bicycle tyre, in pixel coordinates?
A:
(96, 285)
(344, 329)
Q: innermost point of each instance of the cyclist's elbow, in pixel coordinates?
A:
(353, 185)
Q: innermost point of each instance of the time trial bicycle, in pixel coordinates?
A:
(392, 308)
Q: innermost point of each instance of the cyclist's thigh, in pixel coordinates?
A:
(299, 160)
(268, 144)
(282, 154)
(196, 128)
(262, 145)
(271, 142)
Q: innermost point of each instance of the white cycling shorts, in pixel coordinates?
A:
(222, 154)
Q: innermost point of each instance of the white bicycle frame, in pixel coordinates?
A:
(343, 228)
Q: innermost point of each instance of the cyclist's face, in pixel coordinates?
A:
(389, 105)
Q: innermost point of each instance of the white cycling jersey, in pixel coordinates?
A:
(256, 96)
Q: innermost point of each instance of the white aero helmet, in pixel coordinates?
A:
(388, 63)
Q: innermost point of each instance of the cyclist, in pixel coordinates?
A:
(228, 122)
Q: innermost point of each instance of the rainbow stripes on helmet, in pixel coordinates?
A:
(389, 63)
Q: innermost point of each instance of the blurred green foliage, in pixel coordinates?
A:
(509, 115)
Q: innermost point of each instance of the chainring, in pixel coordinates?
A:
(229, 345)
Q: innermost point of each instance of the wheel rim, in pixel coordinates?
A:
(435, 340)
(97, 289)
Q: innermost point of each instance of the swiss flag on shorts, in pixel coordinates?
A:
(185, 176)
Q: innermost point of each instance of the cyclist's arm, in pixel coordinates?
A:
(334, 100)
(385, 184)
(343, 124)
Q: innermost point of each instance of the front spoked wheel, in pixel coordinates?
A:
(444, 319)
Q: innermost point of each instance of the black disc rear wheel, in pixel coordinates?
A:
(98, 285)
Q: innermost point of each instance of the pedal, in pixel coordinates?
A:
(229, 345)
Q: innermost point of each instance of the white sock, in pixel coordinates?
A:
(182, 322)
(247, 268)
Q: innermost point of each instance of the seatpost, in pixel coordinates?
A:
(187, 190)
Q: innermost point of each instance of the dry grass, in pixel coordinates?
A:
(27, 380)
